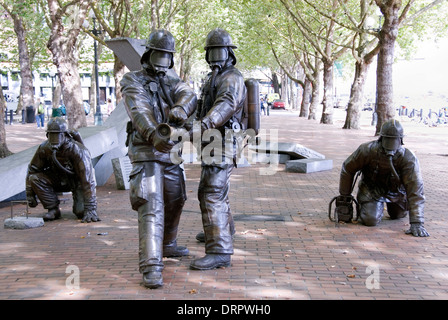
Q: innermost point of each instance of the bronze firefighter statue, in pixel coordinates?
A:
(219, 111)
(154, 98)
(390, 174)
(62, 164)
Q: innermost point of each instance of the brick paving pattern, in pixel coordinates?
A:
(305, 256)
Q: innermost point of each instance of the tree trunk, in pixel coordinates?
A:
(4, 151)
(62, 44)
(119, 71)
(306, 99)
(275, 82)
(154, 15)
(352, 120)
(284, 89)
(71, 90)
(56, 98)
(385, 97)
(314, 99)
(26, 86)
(328, 103)
(292, 95)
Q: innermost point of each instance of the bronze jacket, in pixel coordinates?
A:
(73, 156)
(377, 182)
(230, 93)
(221, 113)
(147, 107)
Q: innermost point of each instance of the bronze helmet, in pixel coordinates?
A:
(219, 38)
(391, 135)
(392, 129)
(57, 124)
(160, 40)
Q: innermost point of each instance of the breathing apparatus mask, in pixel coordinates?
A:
(218, 46)
(160, 61)
(390, 145)
(56, 139)
(391, 140)
(158, 55)
(56, 132)
(217, 57)
(391, 137)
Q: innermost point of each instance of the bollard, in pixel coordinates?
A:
(11, 117)
(23, 116)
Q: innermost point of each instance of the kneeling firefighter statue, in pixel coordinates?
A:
(62, 164)
(155, 101)
(390, 174)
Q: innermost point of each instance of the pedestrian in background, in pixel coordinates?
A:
(40, 119)
(263, 106)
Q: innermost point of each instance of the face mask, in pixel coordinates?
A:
(217, 57)
(56, 139)
(160, 61)
(390, 144)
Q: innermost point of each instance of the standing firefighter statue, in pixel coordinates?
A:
(62, 164)
(220, 112)
(155, 102)
(390, 174)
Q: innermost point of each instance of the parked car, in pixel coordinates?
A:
(271, 97)
(278, 104)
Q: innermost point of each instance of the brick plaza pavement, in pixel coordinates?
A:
(305, 256)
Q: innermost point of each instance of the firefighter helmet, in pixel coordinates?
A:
(391, 135)
(392, 129)
(57, 124)
(218, 38)
(159, 40)
(219, 48)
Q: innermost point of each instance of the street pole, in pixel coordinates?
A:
(98, 114)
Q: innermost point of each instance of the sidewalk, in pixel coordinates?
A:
(301, 256)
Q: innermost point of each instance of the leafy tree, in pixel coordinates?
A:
(19, 12)
(395, 13)
(65, 20)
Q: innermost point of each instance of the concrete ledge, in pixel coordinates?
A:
(122, 168)
(270, 158)
(295, 150)
(308, 165)
(23, 223)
